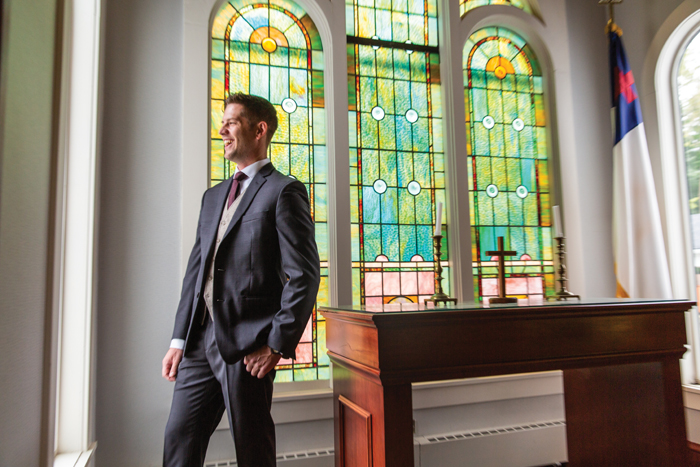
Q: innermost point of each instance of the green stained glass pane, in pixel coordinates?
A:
(279, 84)
(508, 174)
(496, 141)
(405, 168)
(355, 252)
(389, 207)
(300, 162)
(260, 80)
(370, 131)
(354, 208)
(371, 210)
(390, 247)
(514, 175)
(396, 153)
(293, 70)
(407, 209)
(373, 241)
(527, 143)
(299, 126)
(541, 135)
(388, 167)
(280, 57)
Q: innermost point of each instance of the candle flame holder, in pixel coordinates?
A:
(439, 296)
(562, 294)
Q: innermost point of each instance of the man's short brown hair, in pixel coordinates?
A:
(257, 109)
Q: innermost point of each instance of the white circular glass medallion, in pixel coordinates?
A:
(492, 191)
(378, 113)
(518, 124)
(409, 51)
(379, 186)
(376, 38)
(488, 122)
(288, 105)
(522, 192)
(412, 116)
(291, 176)
(414, 187)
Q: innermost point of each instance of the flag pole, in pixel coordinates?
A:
(611, 26)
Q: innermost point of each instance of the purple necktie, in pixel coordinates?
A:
(235, 187)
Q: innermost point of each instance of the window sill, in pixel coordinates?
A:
(75, 459)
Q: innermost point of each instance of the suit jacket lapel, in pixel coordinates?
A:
(211, 216)
(258, 181)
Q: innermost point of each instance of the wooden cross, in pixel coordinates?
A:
(502, 273)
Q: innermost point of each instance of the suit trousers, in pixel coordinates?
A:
(204, 387)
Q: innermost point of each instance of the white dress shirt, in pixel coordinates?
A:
(226, 217)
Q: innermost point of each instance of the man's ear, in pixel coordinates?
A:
(261, 130)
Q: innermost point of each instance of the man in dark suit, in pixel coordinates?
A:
(249, 289)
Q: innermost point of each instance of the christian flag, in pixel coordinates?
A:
(640, 258)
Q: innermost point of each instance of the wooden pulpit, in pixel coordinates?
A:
(620, 359)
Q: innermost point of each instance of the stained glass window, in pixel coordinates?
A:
(508, 163)
(396, 155)
(271, 48)
(467, 5)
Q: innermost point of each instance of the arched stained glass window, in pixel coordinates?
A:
(271, 48)
(465, 6)
(396, 155)
(508, 166)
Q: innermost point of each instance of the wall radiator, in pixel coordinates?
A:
(482, 447)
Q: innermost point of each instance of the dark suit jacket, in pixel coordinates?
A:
(266, 271)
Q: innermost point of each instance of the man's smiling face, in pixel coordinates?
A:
(238, 133)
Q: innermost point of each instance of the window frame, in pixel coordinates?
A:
(662, 111)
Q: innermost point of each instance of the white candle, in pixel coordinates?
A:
(558, 230)
(438, 219)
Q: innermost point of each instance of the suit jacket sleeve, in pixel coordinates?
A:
(187, 296)
(300, 263)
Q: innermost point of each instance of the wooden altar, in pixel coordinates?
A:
(620, 360)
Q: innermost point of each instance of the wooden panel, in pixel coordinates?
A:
(391, 409)
(355, 435)
(621, 415)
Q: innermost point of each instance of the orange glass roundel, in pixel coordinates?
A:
(269, 45)
(499, 71)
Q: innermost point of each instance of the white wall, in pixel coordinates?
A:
(25, 163)
(139, 245)
(590, 91)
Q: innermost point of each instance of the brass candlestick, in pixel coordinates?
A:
(439, 296)
(501, 254)
(563, 294)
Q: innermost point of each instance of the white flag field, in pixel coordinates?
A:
(641, 264)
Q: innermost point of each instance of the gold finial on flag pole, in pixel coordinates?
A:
(611, 26)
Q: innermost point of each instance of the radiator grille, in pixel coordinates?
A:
(492, 432)
(287, 456)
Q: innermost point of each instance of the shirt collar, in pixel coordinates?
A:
(253, 168)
